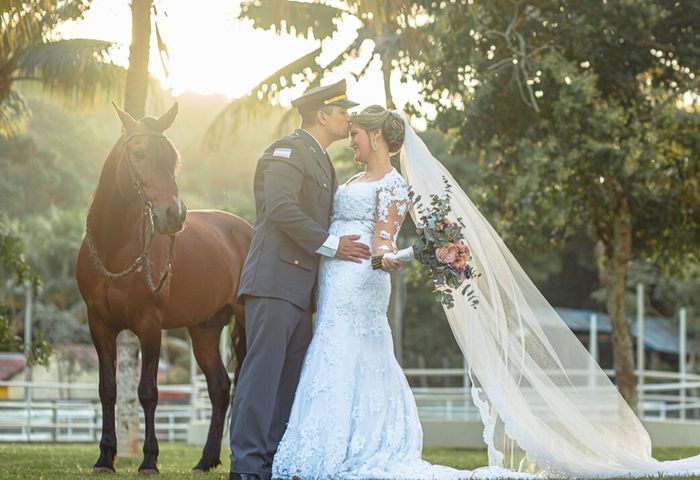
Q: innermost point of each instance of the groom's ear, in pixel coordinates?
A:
(321, 118)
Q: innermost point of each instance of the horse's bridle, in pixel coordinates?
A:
(148, 230)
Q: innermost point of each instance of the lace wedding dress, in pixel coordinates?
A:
(354, 415)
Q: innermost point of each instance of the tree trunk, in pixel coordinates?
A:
(614, 271)
(128, 406)
(127, 343)
(386, 76)
(137, 75)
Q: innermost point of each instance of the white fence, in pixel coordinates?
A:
(666, 395)
(81, 420)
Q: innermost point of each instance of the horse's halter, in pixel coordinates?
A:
(148, 230)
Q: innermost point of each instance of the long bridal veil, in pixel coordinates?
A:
(547, 407)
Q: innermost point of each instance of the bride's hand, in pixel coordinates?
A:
(389, 265)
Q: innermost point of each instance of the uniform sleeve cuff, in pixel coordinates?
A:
(330, 246)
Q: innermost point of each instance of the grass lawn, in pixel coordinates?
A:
(74, 461)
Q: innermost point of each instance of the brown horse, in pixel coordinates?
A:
(142, 267)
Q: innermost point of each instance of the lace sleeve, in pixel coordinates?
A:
(391, 208)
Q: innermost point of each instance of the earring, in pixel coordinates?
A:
(374, 146)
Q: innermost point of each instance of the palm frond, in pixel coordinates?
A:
(24, 23)
(353, 51)
(19, 25)
(77, 71)
(240, 114)
(14, 114)
(260, 99)
(163, 53)
(58, 11)
(304, 18)
(304, 68)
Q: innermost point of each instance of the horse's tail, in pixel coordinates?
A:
(240, 235)
(238, 343)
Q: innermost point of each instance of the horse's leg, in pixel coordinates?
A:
(105, 341)
(148, 395)
(205, 343)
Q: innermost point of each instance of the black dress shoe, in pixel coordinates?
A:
(242, 476)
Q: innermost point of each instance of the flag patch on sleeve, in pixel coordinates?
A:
(282, 153)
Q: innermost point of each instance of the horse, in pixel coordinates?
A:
(146, 264)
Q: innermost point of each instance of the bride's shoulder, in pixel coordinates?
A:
(393, 179)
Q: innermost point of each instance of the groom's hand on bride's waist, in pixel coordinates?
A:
(350, 249)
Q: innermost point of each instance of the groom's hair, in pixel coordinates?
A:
(309, 118)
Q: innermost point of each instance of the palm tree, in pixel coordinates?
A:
(389, 27)
(78, 72)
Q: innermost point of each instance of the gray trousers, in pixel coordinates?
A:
(277, 336)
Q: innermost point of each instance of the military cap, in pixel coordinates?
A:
(319, 97)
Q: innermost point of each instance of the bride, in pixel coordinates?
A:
(548, 409)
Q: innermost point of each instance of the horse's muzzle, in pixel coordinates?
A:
(172, 219)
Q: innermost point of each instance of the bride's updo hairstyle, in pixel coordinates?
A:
(390, 124)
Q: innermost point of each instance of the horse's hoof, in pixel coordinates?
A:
(148, 471)
(102, 470)
(206, 465)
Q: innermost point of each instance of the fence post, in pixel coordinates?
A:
(223, 344)
(54, 420)
(193, 382)
(593, 335)
(27, 353)
(682, 355)
(640, 349)
(592, 348)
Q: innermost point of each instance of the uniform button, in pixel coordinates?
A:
(325, 186)
(296, 262)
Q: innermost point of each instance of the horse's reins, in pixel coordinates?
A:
(147, 233)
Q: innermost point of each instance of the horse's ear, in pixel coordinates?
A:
(167, 119)
(128, 121)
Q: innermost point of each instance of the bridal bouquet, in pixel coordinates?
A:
(442, 248)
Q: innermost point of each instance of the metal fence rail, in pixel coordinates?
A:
(666, 395)
(80, 419)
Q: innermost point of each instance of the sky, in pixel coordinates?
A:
(211, 51)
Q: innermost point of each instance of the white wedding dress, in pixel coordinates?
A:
(354, 415)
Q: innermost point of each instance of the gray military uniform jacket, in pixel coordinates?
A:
(294, 187)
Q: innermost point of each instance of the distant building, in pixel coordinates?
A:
(10, 365)
(661, 341)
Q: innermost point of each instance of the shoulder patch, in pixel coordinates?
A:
(282, 152)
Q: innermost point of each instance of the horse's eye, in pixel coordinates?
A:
(140, 154)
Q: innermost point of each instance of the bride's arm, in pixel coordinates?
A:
(391, 208)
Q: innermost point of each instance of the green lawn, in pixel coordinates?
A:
(74, 461)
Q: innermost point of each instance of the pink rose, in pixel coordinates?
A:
(463, 249)
(447, 254)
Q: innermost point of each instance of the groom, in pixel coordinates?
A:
(294, 186)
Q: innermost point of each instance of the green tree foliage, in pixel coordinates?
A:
(34, 178)
(15, 269)
(78, 72)
(577, 108)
